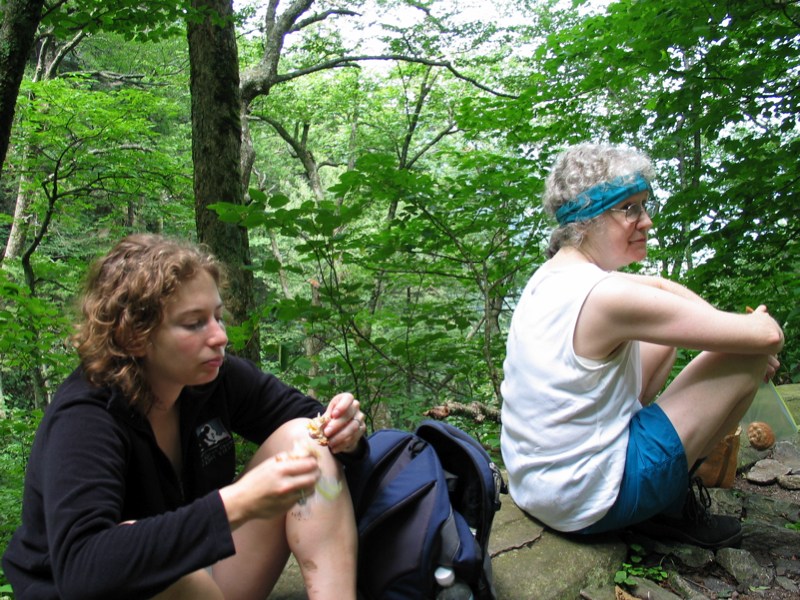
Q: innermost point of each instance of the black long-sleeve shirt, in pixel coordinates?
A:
(95, 463)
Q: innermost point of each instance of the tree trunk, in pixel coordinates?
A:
(50, 56)
(19, 225)
(216, 149)
(20, 21)
(41, 397)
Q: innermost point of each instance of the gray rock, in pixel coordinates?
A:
(748, 456)
(789, 482)
(785, 566)
(759, 508)
(725, 502)
(744, 568)
(787, 584)
(787, 453)
(770, 539)
(767, 471)
(644, 588)
(603, 592)
(557, 567)
(692, 556)
(685, 588)
(718, 588)
(513, 529)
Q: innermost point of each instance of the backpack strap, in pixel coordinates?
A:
(451, 542)
(385, 448)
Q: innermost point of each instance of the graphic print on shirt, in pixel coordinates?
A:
(214, 441)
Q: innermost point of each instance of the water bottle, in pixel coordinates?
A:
(452, 589)
(458, 591)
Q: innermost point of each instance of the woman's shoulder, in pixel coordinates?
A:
(568, 270)
(562, 278)
(76, 389)
(83, 415)
(625, 290)
(78, 400)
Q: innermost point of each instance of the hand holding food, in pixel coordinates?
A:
(327, 487)
(273, 486)
(316, 429)
(341, 427)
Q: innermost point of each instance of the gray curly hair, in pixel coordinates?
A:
(579, 168)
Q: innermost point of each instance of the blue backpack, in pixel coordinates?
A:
(424, 500)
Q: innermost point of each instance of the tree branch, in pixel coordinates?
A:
(352, 61)
(474, 410)
(321, 17)
(255, 83)
(50, 73)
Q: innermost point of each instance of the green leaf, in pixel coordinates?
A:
(278, 201)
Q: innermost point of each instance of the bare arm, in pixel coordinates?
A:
(627, 307)
(666, 285)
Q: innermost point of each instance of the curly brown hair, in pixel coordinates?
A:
(123, 303)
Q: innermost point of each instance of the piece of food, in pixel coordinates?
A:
(299, 450)
(316, 427)
(760, 435)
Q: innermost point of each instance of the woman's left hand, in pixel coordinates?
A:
(346, 425)
(773, 364)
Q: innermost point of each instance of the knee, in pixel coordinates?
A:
(756, 367)
(284, 437)
(751, 370)
(290, 433)
(750, 367)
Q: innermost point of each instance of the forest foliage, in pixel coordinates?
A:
(393, 182)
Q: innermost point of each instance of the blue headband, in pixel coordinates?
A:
(599, 198)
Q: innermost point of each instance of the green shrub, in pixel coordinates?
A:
(17, 428)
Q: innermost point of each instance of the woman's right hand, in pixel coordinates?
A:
(270, 489)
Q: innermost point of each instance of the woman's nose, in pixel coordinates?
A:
(218, 336)
(644, 222)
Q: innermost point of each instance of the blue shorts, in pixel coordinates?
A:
(656, 477)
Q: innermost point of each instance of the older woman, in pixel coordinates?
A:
(130, 490)
(589, 443)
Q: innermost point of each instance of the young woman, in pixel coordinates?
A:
(589, 443)
(130, 489)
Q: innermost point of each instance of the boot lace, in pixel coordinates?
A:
(698, 502)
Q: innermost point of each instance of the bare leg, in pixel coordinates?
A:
(324, 541)
(194, 586)
(709, 397)
(261, 554)
(322, 536)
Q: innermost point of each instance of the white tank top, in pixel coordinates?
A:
(565, 418)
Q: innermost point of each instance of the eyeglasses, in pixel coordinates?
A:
(633, 212)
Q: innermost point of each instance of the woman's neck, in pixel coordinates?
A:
(571, 255)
